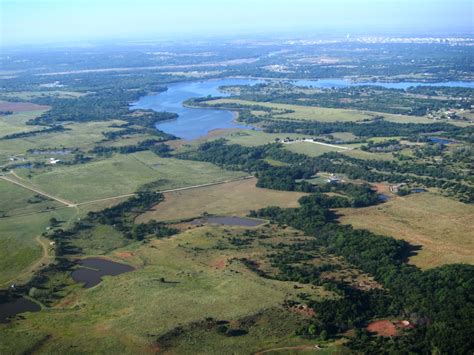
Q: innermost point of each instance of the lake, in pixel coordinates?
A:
(194, 123)
(16, 306)
(92, 269)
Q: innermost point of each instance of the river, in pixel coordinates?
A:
(194, 123)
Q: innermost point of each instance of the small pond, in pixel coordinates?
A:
(383, 197)
(229, 221)
(439, 140)
(16, 306)
(417, 190)
(92, 270)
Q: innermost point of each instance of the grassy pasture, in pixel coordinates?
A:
(128, 313)
(16, 200)
(19, 247)
(311, 149)
(441, 226)
(360, 154)
(302, 112)
(315, 113)
(123, 174)
(255, 138)
(15, 122)
(236, 198)
(28, 95)
(81, 135)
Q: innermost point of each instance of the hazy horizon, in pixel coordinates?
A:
(28, 21)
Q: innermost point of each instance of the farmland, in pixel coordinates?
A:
(292, 224)
(234, 198)
(132, 310)
(441, 227)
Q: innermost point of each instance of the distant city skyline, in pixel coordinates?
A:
(29, 21)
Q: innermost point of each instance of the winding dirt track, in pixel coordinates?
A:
(40, 263)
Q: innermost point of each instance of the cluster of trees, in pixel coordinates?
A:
(301, 167)
(46, 284)
(375, 128)
(52, 129)
(438, 301)
(390, 145)
(147, 144)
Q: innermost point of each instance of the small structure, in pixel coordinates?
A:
(53, 161)
(396, 188)
(333, 179)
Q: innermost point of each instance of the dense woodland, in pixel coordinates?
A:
(437, 301)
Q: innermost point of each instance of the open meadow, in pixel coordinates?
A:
(233, 198)
(121, 175)
(316, 113)
(134, 311)
(442, 227)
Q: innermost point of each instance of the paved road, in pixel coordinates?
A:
(320, 143)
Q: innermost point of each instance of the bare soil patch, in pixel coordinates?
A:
(20, 106)
(384, 328)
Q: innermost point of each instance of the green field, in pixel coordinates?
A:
(16, 122)
(234, 198)
(250, 138)
(311, 149)
(123, 174)
(19, 201)
(19, 247)
(302, 112)
(128, 313)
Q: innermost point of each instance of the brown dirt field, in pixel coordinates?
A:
(124, 254)
(303, 310)
(236, 198)
(442, 227)
(384, 328)
(20, 106)
(218, 264)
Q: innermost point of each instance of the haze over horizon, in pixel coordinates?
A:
(29, 21)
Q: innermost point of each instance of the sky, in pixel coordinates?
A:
(37, 21)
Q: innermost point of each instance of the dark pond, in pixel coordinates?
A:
(439, 140)
(383, 197)
(229, 221)
(193, 123)
(418, 190)
(16, 306)
(92, 269)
